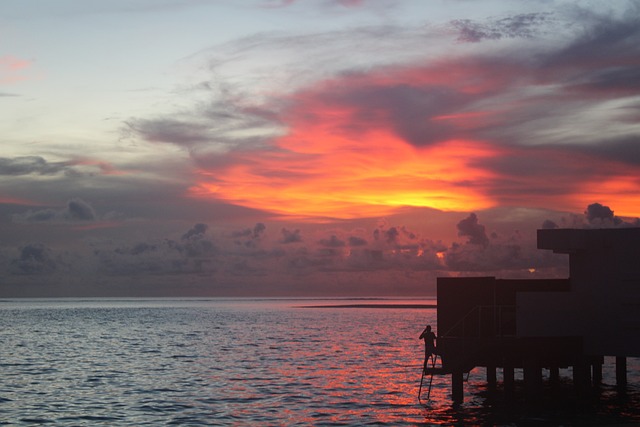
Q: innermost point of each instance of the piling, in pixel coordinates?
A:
(532, 379)
(596, 371)
(509, 381)
(554, 375)
(457, 390)
(621, 371)
(491, 377)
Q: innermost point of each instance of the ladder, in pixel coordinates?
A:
(433, 357)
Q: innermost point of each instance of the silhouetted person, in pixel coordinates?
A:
(429, 342)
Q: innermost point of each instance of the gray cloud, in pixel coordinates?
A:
(209, 129)
(251, 236)
(76, 210)
(258, 230)
(196, 232)
(28, 165)
(469, 227)
(332, 242)
(207, 260)
(598, 212)
(290, 236)
(598, 215)
(34, 259)
(357, 241)
(193, 254)
(517, 26)
(604, 39)
(79, 210)
(183, 133)
(407, 108)
(622, 149)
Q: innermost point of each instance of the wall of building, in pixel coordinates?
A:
(603, 304)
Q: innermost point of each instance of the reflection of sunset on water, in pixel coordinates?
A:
(332, 363)
(249, 362)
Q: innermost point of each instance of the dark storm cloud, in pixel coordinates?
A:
(469, 227)
(522, 25)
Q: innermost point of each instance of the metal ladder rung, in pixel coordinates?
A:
(433, 358)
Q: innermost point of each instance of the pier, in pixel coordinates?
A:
(546, 324)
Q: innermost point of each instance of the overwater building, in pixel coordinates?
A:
(546, 324)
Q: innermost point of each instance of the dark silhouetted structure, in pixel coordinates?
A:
(546, 324)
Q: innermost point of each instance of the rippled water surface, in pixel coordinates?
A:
(241, 362)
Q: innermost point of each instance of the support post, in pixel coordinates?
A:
(509, 381)
(621, 371)
(596, 371)
(532, 379)
(457, 391)
(581, 376)
(554, 376)
(491, 377)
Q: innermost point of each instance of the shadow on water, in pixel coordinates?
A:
(605, 405)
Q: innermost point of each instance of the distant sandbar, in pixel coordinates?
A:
(371, 306)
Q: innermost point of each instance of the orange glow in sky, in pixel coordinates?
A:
(345, 155)
(340, 162)
(317, 173)
(621, 192)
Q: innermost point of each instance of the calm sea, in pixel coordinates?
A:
(250, 362)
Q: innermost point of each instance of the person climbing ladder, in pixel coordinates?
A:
(429, 338)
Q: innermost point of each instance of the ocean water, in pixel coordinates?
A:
(251, 362)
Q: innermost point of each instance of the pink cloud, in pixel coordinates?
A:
(12, 69)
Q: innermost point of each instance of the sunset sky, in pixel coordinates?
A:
(310, 147)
